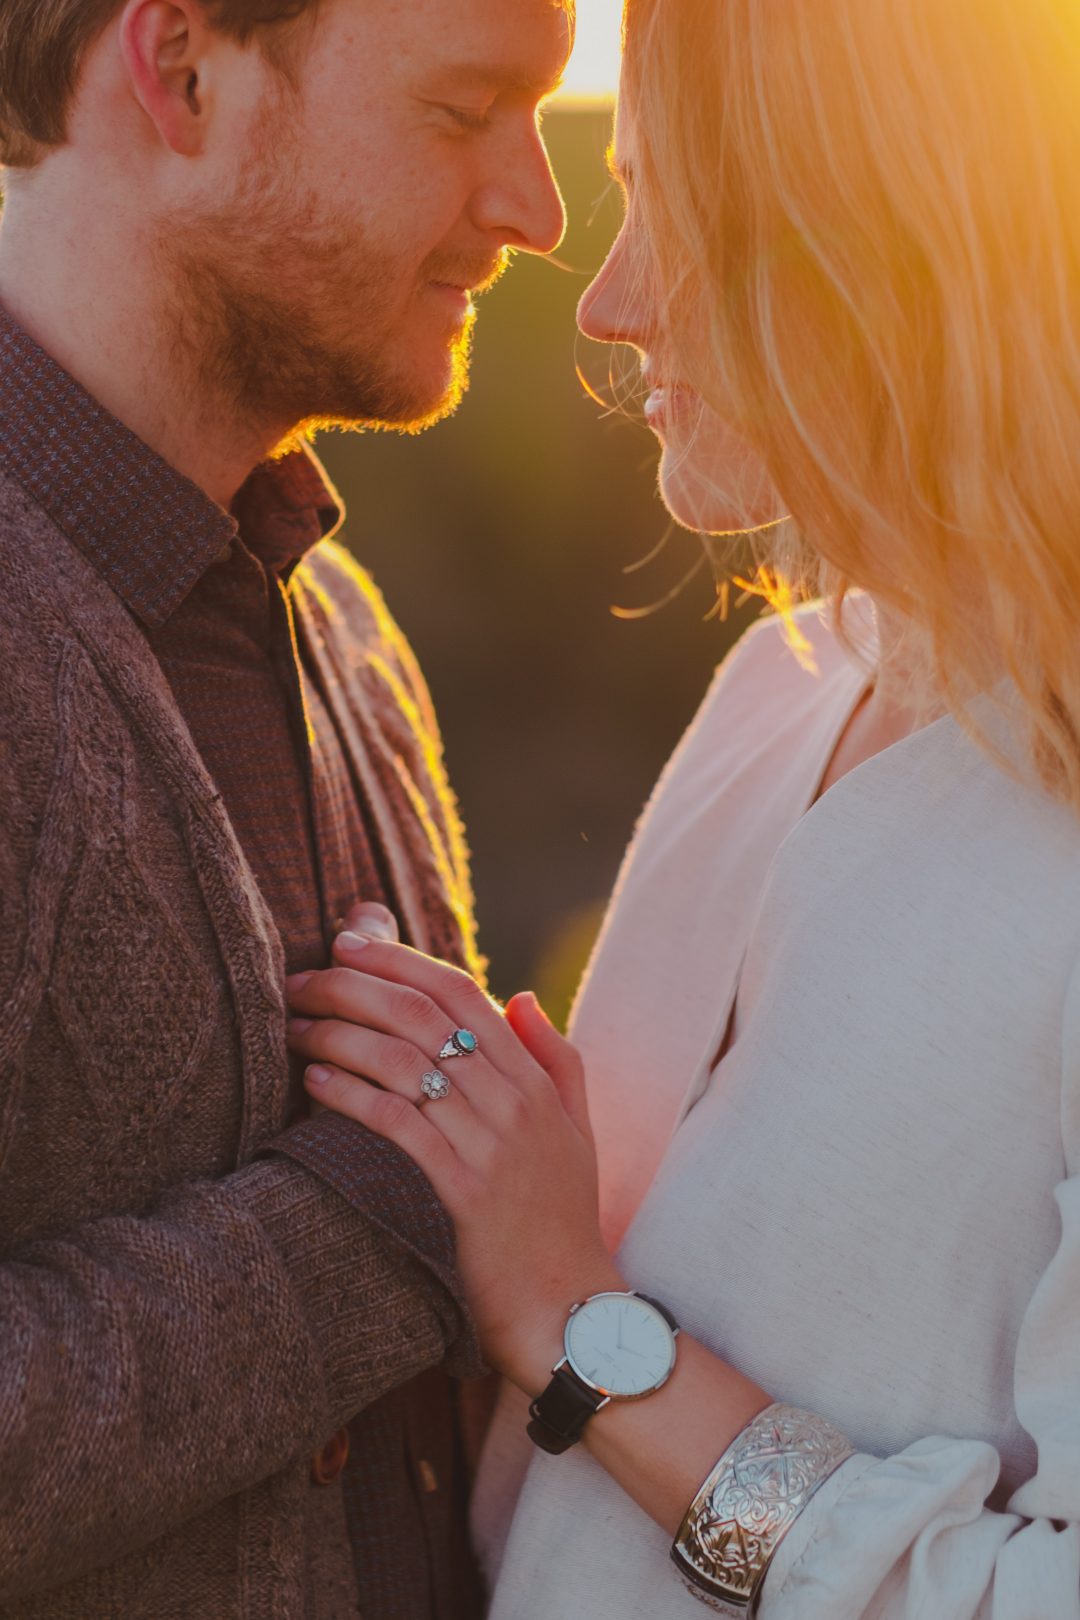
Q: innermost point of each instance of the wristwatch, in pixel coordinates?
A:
(618, 1347)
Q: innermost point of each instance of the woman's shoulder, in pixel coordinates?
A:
(754, 752)
(791, 655)
(782, 675)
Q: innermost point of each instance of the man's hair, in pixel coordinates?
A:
(42, 44)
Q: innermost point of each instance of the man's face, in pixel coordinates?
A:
(332, 232)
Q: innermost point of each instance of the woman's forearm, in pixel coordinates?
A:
(660, 1449)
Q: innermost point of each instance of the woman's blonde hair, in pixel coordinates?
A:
(865, 215)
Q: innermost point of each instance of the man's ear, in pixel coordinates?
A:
(165, 47)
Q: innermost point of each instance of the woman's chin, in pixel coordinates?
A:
(724, 501)
(696, 502)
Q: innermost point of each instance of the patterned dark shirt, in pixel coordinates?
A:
(210, 589)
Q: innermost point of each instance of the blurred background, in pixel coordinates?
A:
(502, 539)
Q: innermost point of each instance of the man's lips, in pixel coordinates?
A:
(468, 280)
(459, 297)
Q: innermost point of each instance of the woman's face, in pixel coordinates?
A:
(711, 478)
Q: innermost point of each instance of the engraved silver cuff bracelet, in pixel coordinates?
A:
(750, 1501)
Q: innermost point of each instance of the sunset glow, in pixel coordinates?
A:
(594, 69)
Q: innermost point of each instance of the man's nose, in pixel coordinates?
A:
(522, 204)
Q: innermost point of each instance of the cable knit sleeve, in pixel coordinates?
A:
(909, 1536)
(154, 1366)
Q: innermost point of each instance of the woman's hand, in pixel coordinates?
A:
(509, 1150)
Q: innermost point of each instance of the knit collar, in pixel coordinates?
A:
(149, 531)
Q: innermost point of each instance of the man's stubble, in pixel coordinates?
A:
(283, 316)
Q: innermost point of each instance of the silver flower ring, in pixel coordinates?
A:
(434, 1087)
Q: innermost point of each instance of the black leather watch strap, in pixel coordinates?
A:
(664, 1312)
(558, 1416)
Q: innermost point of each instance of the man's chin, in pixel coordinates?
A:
(401, 407)
(421, 414)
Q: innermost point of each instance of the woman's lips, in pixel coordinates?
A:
(667, 402)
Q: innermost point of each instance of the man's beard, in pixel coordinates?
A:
(286, 319)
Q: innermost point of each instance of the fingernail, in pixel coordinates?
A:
(352, 943)
(297, 981)
(297, 1026)
(374, 919)
(318, 1076)
(371, 909)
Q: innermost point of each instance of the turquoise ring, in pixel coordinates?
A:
(462, 1043)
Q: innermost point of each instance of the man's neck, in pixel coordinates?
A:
(100, 316)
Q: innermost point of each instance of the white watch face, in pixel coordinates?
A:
(620, 1344)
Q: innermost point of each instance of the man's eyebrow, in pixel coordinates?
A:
(503, 76)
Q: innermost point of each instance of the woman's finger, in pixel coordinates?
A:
(372, 1002)
(390, 1116)
(394, 1034)
(395, 1064)
(392, 1064)
(463, 1003)
(554, 1053)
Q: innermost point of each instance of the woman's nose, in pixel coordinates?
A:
(613, 309)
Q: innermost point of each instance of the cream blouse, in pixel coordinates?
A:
(872, 1205)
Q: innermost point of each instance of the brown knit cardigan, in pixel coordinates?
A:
(191, 1298)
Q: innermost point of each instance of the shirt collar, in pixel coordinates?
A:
(149, 531)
